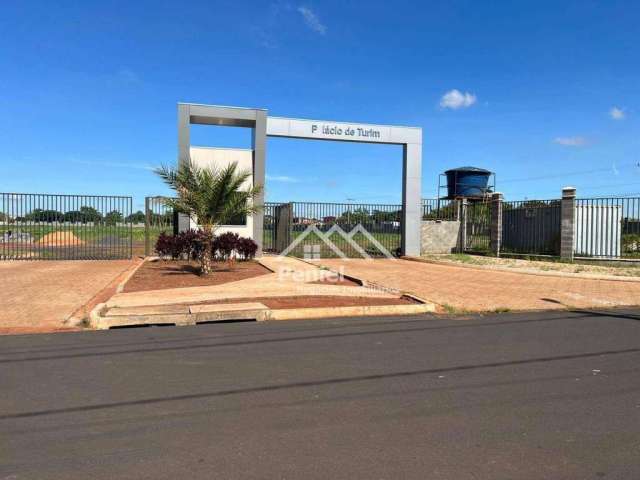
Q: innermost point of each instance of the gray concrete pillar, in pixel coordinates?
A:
(568, 221)
(184, 133)
(259, 146)
(495, 226)
(184, 154)
(411, 199)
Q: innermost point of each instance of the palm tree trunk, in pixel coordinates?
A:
(205, 255)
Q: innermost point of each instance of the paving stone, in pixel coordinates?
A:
(41, 295)
(482, 290)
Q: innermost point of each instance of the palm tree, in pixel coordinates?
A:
(212, 196)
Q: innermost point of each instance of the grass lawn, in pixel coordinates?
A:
(541, 265)
(87, 233)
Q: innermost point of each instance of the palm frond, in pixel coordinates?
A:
(214, 196)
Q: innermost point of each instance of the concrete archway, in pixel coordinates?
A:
(263, 126)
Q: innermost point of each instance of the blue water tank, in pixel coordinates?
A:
(467, 182)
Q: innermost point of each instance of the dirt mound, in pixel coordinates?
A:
(60, 239)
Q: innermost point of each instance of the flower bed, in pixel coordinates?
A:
(163, 274)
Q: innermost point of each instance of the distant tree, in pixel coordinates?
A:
(84, 215)
(40, 215)
(137, 217)
(162, 219)
(90, 214)
(386, 216)
(3, 217)
(113, 217)
(358, 215)
(446, 211)
(72, 216)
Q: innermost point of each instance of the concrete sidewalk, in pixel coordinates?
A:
(468, 289)
(38, 296)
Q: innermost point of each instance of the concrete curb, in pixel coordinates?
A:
(99, 321)
(259, 260)
(131, 272)
(95, 315)
(498, 268)
(355, 311)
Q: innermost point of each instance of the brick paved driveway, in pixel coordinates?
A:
(484, 290)
(40, 296)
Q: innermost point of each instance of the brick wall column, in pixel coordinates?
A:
(495, 227)
(568, 220)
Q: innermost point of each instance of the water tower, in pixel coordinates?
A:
(471, 183)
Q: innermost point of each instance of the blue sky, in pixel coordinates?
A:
(543, 93)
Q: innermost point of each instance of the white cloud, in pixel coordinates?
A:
(312, 20)
(282, 179)
(455, 99)
(571, 141)
(617, 113)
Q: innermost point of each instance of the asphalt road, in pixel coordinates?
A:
(511, 396)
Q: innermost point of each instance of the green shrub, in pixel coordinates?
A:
(631, 243)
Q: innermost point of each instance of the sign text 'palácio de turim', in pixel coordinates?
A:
(348, 131)
(342, 131)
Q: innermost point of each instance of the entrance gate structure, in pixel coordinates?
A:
(263, 126)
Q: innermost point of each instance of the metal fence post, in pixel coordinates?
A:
(147, 225)
(130, 227)
(568, 220)
(495, 228)
(462, 218)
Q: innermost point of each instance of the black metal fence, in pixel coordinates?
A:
(439, 209)
(608, 227)
(321, 230)
(158, 218)
(65, 227)
(604, 227)
(477, 228)
(531, 227)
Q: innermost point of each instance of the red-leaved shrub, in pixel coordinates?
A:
(247, 248)
(225, 244)
(190, 244)
(168, 246)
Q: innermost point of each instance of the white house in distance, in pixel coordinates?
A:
(221, 157)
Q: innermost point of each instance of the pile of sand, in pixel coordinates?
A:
(60, 239)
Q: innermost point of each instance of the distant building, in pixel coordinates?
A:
(390, 223)
(305, 220)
